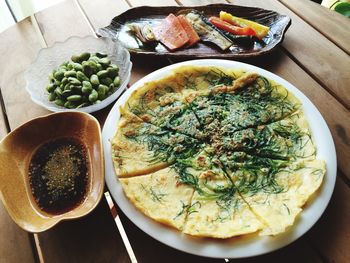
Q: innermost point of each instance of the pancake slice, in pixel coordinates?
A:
(216, 210)
(132, 157)
(140, 148)
(287, 139)
(279, 210)
(159, 196)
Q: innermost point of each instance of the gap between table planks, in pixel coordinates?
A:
(4, 126)
(49, 41)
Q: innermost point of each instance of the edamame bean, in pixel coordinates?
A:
(94, 59)
(81, 76)
(106, 81)
(59, 75)
(70, 73)
(99, 67)
(105, 62)
(102, 74)
(52, 96)
(64, 81)
(69, 104)
(79, 59)
(66, 93)
(77, 67)
(87, 87)
(93, 96)
(94, 80)
(116, 81)
(51, 87)
(87, 69)
(59, 102)
(74, 81)
(58, 92)
(102, 91)
(113, 72)
(74, 98)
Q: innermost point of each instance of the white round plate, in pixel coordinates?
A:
(234, 247)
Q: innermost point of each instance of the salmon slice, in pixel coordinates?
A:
(191, 33)
(171, 33)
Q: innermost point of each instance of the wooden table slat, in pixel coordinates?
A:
(316, 54)
(101, 17)
(62, 21)
(23, 39)
(15, 244)
(331, 235)
(93, 238)
(329, 23)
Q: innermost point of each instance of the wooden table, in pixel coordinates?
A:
(314, 57)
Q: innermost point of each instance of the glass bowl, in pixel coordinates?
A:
(48, 59)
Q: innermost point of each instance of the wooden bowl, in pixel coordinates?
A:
(16, 151)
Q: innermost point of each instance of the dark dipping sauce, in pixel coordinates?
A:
(58, 175)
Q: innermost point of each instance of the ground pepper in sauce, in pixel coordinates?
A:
(58, 175)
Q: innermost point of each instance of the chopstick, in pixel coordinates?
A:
(120, 227)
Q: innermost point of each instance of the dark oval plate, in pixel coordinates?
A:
(277, 23)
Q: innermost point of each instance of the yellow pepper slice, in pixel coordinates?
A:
(260, 30)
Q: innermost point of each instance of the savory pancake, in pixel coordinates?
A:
(216, 153)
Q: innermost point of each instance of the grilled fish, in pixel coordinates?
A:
(207, 31)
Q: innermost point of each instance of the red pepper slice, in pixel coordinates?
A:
(245, 31)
